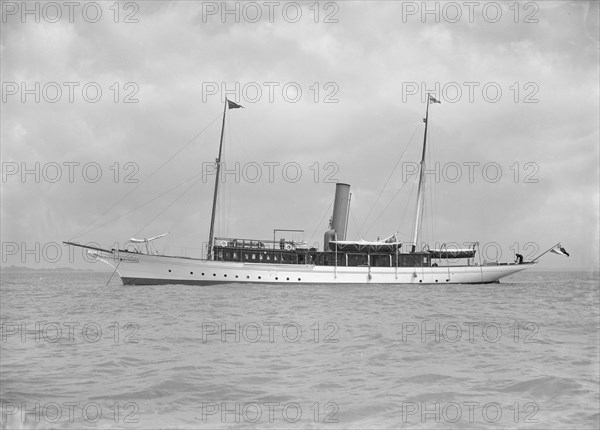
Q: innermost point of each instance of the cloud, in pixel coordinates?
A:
(373, 65)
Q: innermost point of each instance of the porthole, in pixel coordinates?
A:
(236, 276)
(276, 278)
(214, 274)
(287, 279)
(191, 273)
(259, 277)
(247, 277)
(299, 279)
(420, 280)
(225, 275)
(436, 280)
(202, 273)
(169, 270)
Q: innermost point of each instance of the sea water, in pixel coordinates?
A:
(78, 353)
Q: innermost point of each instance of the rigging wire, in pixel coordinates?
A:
(225, 190)
(390, 176)
(84, 229)
(144, 204)
(221, 209)
(229, 147)
(423, 233)
(223, 217)
(320, 222)
(432, 190)
(227, 198)
(425, 229)
(170, 204)
(388, 204)
(355, 225)
(406, 207)
(177, 221)
(432, 195)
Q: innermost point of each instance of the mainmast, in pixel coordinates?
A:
(421, 189)
(231, 105)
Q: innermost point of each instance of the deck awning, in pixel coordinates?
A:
(363, 246)
(452, 253)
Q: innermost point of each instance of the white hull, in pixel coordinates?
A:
(144, 269)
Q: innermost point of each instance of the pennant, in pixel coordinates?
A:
(434, 100)
(232, 105)
(558, 249)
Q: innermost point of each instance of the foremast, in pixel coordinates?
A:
(231, 105)
(421, 188)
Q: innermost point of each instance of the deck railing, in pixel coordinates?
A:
(282, 244)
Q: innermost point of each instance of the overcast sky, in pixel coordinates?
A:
(96, 98)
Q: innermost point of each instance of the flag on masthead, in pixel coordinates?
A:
(233, 105)
(558, 249)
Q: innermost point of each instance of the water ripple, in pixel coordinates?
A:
(343, 356)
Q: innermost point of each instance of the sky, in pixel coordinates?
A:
(111, 118)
